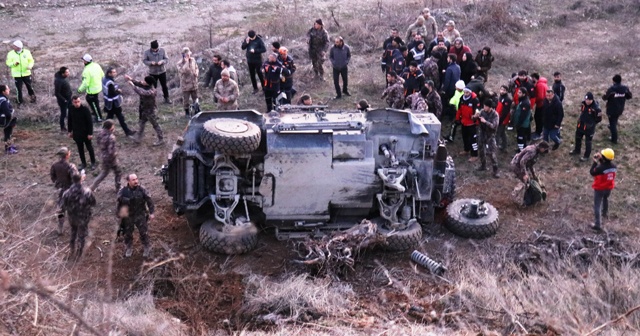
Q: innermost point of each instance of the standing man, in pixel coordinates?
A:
(450, 33)
(77, 201)
(413, 79)
(254, 47)
(394, 93)
(433, 99)
(590, 116)
(135, 209)
(61, 174)
(417, 28)
(540, 89)
(522, 119)
(430, 23)
(8, 119)
(108, 155)
(20, 61)
(504, 111)
(273, 71)
(226, 92)
(287, 82)
(394, 37)
(63, 93)
(430, 69)
(469, 103)
(188, 71)
(615, 97)
(92, 83)
(213, 74)
(156, 58)
(450, 82)
(148, 107)
(558, 87)
(416, 103)
(318, 43)
(488, 119)
(80, 127)
(233, 74)
(340, 55)
(113, 100)
(604, 176)
(523, 162)
(552, 115)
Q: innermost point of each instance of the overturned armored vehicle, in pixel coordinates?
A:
(307, 172)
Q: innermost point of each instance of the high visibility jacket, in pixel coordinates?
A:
(24, 60)
(455, 100)
(91, 79)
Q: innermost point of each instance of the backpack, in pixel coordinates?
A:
(535, 193)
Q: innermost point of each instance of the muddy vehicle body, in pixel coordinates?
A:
(307, 172)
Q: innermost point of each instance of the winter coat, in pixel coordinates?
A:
(552, 113)
(226, 89)
(527, 85)
(541, 91)
(615, 97)
(434, 103)
(431, 72)
(559, 89)
(318, 41)
(80, 122)
(413, 82)
(504, 108)
(387, 43)
(62, 89)
(188, 72)
(590, 115)
(477, 86)
(451, 76)
(468, 68)
(91, 78)
(484, 63)
(258, 49)
(272, 73)
(159, 57)
(111, 94)
(459, 52)
(522, 115)
(467, 109)
(25, 63)
(340, 56)
(604, 175)
(213, 75)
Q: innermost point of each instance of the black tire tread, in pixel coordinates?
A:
(403, 240)
(471, 228)
(215, 240)
(225, 143)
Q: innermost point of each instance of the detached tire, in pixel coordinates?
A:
(402, 240)
(463, 226)
(230, 136)
(228, 239)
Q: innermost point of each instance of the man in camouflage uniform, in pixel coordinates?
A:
(417, 103)
(148, 107)
(430, 69)
(394, 92)
(318, 43)
(523, 162)
(135, 208)
(417, 28)
(226, 92)
(61, 174)
(188, 71)
(488, 119)
(77, 202)
(433, 99)
(108, 155)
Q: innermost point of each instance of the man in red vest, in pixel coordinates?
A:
(604, 175)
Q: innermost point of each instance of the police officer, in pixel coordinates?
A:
(148, 107)
(590, 116)
(615, 97)
(604, 175)
(92, 84)
(135, 209)
(488, 124)
(61, 174)
(77, 201)
(20, 61)
(113, 100)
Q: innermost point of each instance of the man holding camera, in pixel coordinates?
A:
(604, 175)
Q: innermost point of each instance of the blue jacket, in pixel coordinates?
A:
(451, 76)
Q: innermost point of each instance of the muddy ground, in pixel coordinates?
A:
(116, 33)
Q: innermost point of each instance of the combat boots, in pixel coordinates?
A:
(33, 98)
(128, 251)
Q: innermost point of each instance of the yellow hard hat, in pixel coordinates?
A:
(608, 154)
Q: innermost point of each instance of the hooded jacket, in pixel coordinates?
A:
(553, 112)
(484, 62)
(258, 49)
(541, 91)
(468, 106)
(468, 68)
(91, 79)
(616, 97)
(62, 89)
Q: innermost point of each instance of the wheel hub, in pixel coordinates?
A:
(474, 209)
(232, 127)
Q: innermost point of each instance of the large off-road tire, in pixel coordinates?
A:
(402, 240)
(230, 136)
(464, 226)
(228, 239)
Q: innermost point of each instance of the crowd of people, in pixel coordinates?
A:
(432, 71)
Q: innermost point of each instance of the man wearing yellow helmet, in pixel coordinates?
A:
(604, 174)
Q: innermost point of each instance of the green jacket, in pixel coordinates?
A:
(91, 79)
(24, 60)
(522, 114)
(455, 100)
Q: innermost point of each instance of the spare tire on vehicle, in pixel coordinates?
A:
(464, 219)
(228, 239)
(230, 136)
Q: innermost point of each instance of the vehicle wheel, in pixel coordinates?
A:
(462, 225)
(228, 239)
(230, 136)
(402, 240)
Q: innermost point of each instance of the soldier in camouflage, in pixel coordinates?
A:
(148, 107)
(431, 96)
(226, 92)
(394, 93)
(523, 162)
(417, 103)
(488, 119)
(318, 43)
(61, 174)
(430, 69)
(135, 209)
(77, 201)
(108, 155)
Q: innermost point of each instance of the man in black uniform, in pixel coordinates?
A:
(80, 127)
(272, 71)
(615, 97)
(590, 116)
(135, 208)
